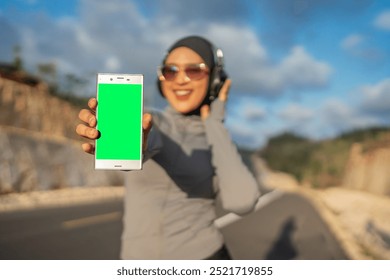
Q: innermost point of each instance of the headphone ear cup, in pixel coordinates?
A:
(218, 78)
(214, 84)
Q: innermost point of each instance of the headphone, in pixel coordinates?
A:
(218, 76)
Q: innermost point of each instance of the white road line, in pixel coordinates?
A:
(263, 201)
(91, 220)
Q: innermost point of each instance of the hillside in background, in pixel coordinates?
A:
(29, 103)
(331, 162)
(40, 149)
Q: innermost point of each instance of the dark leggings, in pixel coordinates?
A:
(221, 254)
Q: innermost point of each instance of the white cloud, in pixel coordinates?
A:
(369, 107)
(112, 63)
(300, 70)
(382, 21)
(253, 113)
(244, 134)
(352, 41)
(249, 64)
(376, 98)
(244, 54)
(359, 46)
(337, 112)
(237, 39)
(337, 116)
(295, 113)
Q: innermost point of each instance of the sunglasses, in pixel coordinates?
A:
(193, 71)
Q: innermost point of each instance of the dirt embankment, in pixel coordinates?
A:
(34, 109)
(31, 161)
(368, 170)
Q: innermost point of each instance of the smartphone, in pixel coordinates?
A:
(119, 121)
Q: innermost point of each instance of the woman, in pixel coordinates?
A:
(189, 160)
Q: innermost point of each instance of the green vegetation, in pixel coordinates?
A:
(65, 90)
(63, 86)
(288, 153)
(18, 62)
(77, 101)
(320, 163)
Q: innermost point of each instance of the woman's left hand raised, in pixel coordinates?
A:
(223, 95)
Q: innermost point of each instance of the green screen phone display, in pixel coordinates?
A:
(119, 118)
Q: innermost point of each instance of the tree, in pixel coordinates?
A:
(48, 72)
(72, 83)
(18, 62)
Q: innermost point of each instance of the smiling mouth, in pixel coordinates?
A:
(182, 92)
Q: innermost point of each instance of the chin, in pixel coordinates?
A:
(184, 111)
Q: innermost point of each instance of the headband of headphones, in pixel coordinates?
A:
(213, 58)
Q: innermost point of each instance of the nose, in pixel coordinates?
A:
(181, 77)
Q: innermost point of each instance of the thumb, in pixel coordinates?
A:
(204, 112)
(223, 93)
(147, 123)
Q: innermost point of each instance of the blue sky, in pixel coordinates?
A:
(313, 67)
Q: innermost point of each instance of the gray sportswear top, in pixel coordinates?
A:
(169, 205)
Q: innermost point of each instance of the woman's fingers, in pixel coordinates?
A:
(88, 148)
(223, 93)
(147, 123)
(92, 104)
(88, 117)
(87, 129)
(87, 132)
(204, 112)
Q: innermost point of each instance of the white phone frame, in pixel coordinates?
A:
(118, 164)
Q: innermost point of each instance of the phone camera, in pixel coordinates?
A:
(110, 79)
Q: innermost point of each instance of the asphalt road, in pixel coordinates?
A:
(89, 231)
(286, 228)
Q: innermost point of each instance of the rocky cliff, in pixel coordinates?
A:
(368, 169)
(39, 147)
(32, 107)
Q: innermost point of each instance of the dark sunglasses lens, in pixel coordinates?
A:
(169, 72)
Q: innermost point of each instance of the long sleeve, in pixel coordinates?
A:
(237, 186)
(154, 142)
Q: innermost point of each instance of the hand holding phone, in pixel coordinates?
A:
(119, 122)
(88, 128)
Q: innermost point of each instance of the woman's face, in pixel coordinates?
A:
(183, 93)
